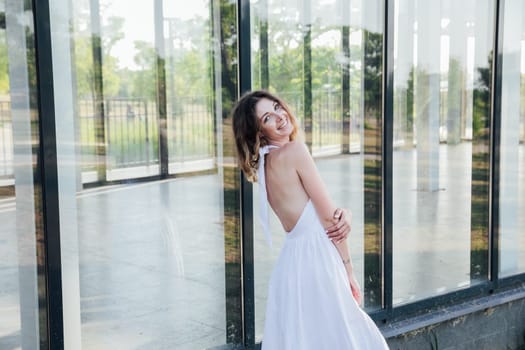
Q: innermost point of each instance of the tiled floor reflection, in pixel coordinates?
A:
(152, 266)
(152, 255)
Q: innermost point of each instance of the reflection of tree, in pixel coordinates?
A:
(232, 254)
(454, 101)
(286, 62)
(86, 70)
(143, 80)
(373, 73)
(373, 93)
(4, 76)
(481, 100)
(480, 172)
(229, 64)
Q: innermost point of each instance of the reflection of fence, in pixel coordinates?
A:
(131, 132)
(327, 122)
(190, 130)
(327, 129)
(6, 140)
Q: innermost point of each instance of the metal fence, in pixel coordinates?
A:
(327, 128)
(327, 122)
(131, 130)
(191, 129)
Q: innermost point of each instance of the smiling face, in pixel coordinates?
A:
(275, 123)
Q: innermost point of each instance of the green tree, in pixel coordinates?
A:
(143, 80)
(373, 73)
(229, 64)
(4, 75)
(83, 46)
(481, 100)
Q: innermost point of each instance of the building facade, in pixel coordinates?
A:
(126, 223)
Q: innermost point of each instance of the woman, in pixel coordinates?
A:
(310, 303)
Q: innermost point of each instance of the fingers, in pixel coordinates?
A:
(341, 227)
(339, 219)
(338, 214)
(340, 234)
(339, 231)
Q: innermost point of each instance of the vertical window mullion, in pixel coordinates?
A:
(497, 65)
(49, 172)
(161, 89)
(245, 84)
(388, 132)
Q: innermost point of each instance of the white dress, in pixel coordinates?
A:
(310, 304)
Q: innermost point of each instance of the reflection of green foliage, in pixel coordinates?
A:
(479, 221)
(480, 173)
(453, 102)
(373, 73)
(231, 214)
(229, 65)
(188, 75)
(481, 97)
(31, 68)
(410, 100)
(4, 76)
(85, 70)
(144, 80)
(372, 76)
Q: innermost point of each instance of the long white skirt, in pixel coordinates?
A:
(310, 303)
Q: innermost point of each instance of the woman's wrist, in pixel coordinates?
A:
(348, 264)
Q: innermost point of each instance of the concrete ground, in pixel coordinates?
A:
(151, 255)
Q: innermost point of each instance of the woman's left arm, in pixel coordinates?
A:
(341, 225)
(312, 183)
(316, 190)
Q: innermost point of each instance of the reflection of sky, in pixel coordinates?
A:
(139, 22)
(139, 25)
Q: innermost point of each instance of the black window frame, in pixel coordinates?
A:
(388, 314)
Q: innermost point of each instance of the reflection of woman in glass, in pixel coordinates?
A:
(310, 303)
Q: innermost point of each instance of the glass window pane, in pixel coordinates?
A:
(149, 199)
(442, 54)
(512, 149)
(22, 317)
(321, 64)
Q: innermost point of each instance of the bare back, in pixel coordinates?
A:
(286, 193)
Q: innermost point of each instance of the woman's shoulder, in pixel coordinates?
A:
(293, 152)
(294, 148)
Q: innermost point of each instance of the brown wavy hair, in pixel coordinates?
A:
(246, 129)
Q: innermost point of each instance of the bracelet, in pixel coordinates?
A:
(346, 261)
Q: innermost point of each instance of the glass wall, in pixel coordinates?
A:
(22, 286)
(149, 192)
(321, 57)
(512, 149)
(154, 264)
(442, 87)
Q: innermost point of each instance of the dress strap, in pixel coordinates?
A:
(263, 196)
